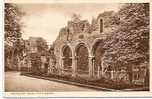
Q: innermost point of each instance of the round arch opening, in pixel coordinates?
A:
(82, 59)
(67, 59)
(98, 54)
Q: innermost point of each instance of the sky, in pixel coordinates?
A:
(46, 20)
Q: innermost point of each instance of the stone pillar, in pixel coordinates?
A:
(91, 67)
(74, 66)
(112, 74)
(102, 68)
(98, 73)
(93, 64)
(62, 65)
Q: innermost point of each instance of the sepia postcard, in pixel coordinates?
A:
(77, 48)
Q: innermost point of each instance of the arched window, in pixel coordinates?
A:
(101, 25)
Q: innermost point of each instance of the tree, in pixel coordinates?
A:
(12, 32)
(42, 45)
(129, 43)
(12, 21)
(36, 63)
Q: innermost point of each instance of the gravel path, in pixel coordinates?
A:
(14, 82)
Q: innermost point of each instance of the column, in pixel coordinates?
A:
(91, 67)
(102, 68)
(74, 66)
(98, 73)
(62, 65)
(112, 74)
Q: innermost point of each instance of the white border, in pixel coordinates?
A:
(76, 1)
(74, 94)
(2, 48)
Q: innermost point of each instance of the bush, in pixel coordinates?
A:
(36, 63)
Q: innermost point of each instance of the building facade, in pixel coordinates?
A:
(79, 50)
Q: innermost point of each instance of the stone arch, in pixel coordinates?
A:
(64, 47)
(97, 52)
(97, 40)
(82, 55)
(66, 54)
(79, 43)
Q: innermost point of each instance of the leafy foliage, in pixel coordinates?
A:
(13, 44)
(41, 45)
(129, 43)
(35, 62)
(12, 21)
